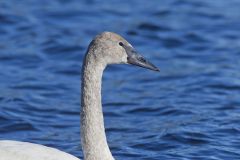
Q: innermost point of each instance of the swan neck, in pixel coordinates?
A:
(93, 137)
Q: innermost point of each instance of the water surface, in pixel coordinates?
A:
(190, 110)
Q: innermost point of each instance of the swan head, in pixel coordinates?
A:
(114, 49)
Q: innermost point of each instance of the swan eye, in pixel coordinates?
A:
(120, 44)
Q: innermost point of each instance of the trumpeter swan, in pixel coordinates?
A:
(106, 48)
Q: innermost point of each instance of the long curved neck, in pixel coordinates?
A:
(93, 136)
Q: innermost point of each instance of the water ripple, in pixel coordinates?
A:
(190, 110)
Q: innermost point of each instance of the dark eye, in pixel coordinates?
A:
(120, 44)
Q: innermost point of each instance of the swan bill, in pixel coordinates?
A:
(140, 61)
(136, 59)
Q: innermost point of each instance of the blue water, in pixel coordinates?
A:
(188, 111)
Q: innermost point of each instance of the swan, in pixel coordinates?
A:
(106, 48)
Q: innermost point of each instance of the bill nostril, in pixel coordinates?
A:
(142, 59)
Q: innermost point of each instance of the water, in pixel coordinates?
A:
(190, 110)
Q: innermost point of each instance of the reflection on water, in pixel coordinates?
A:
(190, 110)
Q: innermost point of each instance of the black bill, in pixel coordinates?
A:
(136, 59)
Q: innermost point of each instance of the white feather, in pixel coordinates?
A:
(14, 150)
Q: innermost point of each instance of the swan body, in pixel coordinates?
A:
(106, 48)
(14, 150)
